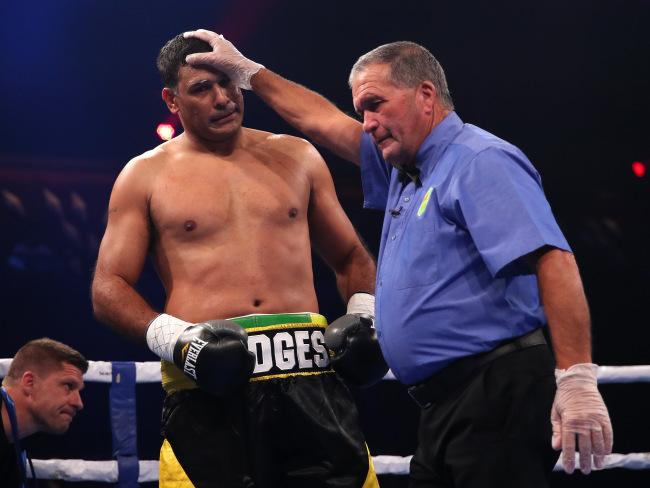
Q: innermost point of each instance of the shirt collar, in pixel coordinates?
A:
(410, 174)
(436, 142)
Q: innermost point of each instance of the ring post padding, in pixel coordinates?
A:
(123, 423)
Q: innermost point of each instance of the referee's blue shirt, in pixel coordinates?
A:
(449, 283)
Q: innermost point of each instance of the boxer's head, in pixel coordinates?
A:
(401, 92)
(45, 379)
(172, 57)
(209, 105)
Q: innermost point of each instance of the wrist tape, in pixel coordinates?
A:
(362, 304)
(162, 334)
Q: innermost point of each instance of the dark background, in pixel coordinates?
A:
(567, 82)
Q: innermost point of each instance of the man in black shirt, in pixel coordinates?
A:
(41, 393)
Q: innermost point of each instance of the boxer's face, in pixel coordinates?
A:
(209, 105)
(392, 115)
(56, 398)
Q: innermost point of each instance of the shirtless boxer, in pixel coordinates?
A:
(229, 215)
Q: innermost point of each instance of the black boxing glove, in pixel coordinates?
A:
(354, 349)
(214, 354)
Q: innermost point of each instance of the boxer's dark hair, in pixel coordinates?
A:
(44, 356)
(172, 57)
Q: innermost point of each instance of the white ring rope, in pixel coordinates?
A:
(101, 371)
(106, 471)
(606, 374)
(82, 470)
(149, 372)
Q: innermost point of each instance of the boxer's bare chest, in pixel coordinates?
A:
(205, 198)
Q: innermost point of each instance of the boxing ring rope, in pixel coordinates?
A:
(124, 376)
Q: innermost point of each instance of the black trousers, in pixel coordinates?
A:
(492, 431)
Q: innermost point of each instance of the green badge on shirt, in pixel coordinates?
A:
(425, 202)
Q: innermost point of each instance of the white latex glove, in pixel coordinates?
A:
(224, 57)
(579, 411)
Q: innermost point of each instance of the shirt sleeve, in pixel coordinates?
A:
(375, 175)
(503, 205)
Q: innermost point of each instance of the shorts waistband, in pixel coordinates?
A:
(436, 388)
(291, 344)
(284, 344)
(254, 322)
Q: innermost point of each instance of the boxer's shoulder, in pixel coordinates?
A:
(151, 160)
(159, 160)
(137, 176)
(278, 142)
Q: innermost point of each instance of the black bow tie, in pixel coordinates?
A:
(407, 174)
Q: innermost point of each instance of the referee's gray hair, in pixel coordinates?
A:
(410, 64)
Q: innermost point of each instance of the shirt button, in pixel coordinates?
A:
(381, 283)
(407, 199)
(392, 238)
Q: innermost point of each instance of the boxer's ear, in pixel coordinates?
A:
(169, 96)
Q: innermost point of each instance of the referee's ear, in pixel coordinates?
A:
(427, 96)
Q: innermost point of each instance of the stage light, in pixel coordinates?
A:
(165, 131)
(638, 168)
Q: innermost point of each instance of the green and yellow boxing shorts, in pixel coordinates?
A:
(294, 425)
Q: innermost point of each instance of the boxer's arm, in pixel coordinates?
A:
(122, 255)
(333, 235)
(306, 110)
(310, 113)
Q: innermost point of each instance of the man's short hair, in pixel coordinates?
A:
(43, 356)
(172, 57)
(410, 64)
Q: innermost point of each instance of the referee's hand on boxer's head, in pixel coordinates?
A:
(224, 57)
